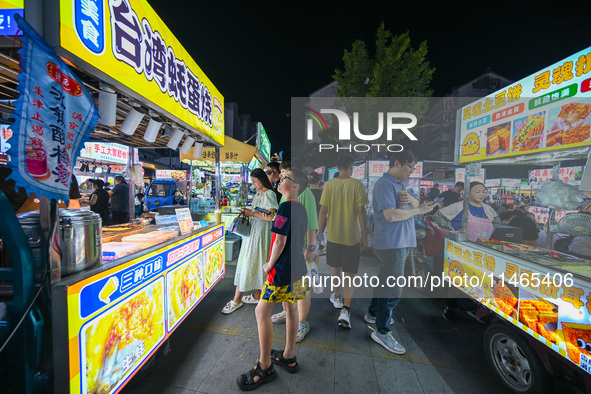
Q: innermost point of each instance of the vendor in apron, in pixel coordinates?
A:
(482, 219)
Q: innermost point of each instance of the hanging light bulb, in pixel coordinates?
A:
(107, 108)
(197, 150)
(175, 139)
(131, 122)
(187, 145)
(152, 130)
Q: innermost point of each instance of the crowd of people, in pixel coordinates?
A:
(111, 204)
(285, 237)
(282, 246)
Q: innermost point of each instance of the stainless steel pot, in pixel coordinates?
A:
(80, 239)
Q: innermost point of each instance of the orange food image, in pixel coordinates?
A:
(505, 298)
(554, 140)
(578, 340)
(574, 112)
(492, 143)
(504, 137)
(529, 134)
(536, 314)
(551, 335)
(576, 134)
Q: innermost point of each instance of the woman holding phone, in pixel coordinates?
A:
(255, 248)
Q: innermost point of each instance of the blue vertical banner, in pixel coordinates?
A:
(54, 116)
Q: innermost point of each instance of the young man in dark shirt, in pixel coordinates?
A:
(452, 195)
(120, 201)
(273, 173)
(285, 269)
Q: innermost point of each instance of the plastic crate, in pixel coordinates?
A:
(232, 247)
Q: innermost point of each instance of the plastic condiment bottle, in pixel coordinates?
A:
(403, 205)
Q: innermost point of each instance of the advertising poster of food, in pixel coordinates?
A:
(546, 111)
(184, 286)
(116, 319)
(114, 342)
(570, 175)
(545, 299)
(214, 264)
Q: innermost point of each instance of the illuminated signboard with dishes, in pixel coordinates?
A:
(549, 110)
(117, 318)
(126, 41)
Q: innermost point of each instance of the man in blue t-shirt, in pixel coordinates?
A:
(394, 236)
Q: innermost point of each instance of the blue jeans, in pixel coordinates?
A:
(386, 298)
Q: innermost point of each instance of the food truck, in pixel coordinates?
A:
(536, 301)
(90, 305)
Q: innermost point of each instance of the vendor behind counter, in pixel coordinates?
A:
(482, 219)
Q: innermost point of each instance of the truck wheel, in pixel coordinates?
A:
(514, 361)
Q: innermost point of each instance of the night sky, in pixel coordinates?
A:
(262, 53)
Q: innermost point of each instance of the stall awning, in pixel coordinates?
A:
(233, 150)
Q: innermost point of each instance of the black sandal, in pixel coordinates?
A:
(246, 380)
(277, 358)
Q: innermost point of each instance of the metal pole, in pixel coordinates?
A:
(218, 170)
(551, 213)
(131, 186)
(466, 211)
(190, 184)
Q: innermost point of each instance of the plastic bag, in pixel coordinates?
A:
(316, 281)
(559, 196)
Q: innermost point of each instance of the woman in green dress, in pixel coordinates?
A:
(255, 248)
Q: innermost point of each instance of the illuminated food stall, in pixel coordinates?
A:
(543, 295)
(108, 315)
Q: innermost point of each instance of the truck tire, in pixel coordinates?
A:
(514, 361)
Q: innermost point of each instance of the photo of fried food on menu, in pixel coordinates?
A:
(528, 133)
(571, 125)
(498, 139)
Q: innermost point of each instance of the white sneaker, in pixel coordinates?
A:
(280, 317)
(336, 301)
(302, 331)
(371, 319)
(345, 318)
(388, 342)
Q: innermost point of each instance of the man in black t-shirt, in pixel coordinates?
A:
(452, 195)
(120, 201)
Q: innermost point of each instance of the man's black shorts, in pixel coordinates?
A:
(343, 256)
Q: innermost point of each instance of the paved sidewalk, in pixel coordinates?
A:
(209, 350)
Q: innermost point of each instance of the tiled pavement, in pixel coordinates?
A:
(209, 350)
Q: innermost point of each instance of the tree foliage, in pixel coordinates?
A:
(397, 70)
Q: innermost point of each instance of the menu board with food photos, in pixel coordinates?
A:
(546, 111)
(118, 318)
(544, 293)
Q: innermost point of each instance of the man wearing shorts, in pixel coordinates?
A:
(285, 270)
(343, 200)
(306, 198)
